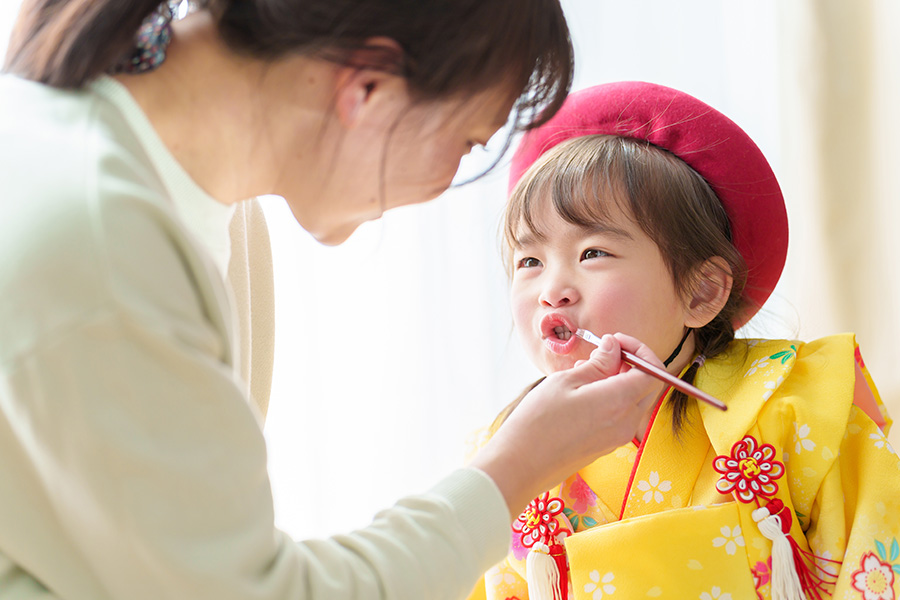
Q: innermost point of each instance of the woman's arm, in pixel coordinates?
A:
(577, 415)
(146, 478)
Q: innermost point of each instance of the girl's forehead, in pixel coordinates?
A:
(544, 217)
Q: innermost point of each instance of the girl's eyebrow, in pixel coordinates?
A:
(531, 238)
(526, 239)
(607, 229)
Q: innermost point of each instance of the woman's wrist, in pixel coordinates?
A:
(513, 472)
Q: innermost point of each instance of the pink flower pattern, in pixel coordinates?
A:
(582, 495)
(762, 574)
(518, 550)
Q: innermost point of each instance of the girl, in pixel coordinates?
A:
(639, 209)
(132, 463)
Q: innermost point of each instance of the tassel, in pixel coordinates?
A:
(785, 582)
(542, 574)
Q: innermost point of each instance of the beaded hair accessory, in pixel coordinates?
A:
(151, 41)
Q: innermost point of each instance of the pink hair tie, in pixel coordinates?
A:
(698, 362)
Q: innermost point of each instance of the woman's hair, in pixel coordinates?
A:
(450, 47)
(665, 197)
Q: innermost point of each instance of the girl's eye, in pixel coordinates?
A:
(528, 263)
(593, 253)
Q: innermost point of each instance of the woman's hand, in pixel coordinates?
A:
(569, 420)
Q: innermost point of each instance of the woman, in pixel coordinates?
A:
(131, 462)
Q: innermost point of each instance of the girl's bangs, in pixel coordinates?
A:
(576, 179)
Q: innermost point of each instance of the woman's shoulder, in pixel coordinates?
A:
(64, 154)
(87, 224)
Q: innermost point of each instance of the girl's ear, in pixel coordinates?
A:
(712, 287)
(369, 82)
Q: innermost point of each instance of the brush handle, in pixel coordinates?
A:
(641, 364)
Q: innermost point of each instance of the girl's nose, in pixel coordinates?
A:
(557, 294)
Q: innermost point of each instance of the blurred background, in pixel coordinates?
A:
(394, 347)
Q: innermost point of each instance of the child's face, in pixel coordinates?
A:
(607, 280)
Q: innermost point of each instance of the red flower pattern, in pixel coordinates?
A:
(538, 524)
(750, 471)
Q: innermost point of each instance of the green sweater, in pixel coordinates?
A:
(132, 465)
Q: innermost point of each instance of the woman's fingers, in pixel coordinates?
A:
(636, 347)
(569, 420)
(605, 361)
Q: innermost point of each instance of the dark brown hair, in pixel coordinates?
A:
(450, 47)
(664, 196)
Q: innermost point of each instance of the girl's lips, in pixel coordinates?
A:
(549, 324)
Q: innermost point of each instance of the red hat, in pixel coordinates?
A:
(711, 143)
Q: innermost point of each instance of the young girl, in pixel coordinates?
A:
(639, 209)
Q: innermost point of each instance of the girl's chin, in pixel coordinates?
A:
(555, 363)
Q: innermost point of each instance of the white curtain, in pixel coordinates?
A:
(394, 346)
(840, 92)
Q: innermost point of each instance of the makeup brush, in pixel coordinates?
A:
(641, 364)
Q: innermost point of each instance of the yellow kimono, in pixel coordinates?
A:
(664, 519)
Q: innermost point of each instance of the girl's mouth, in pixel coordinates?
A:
(558, 334)
(562, 332)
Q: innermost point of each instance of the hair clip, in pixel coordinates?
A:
(151, 42)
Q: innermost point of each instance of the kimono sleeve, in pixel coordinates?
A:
(501, 582)
(855, 517)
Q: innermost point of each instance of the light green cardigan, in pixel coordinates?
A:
(132, 465)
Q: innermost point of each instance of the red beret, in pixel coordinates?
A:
(708, 141)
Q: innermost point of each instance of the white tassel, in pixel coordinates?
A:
(542, 574)
(785, 581)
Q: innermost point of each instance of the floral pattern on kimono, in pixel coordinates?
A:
(648, 520)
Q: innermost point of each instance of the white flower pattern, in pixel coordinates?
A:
(715, 594)
(498, 577)
(731, 539)
(824, 562)
(771, 386)
(881, 441)
(654, 488)
(759, 363)
(800, 437)
(597, 587)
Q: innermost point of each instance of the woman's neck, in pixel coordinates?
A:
(221, 115)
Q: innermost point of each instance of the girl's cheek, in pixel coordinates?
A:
(521, 313)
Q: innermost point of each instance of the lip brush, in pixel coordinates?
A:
(641, 364)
